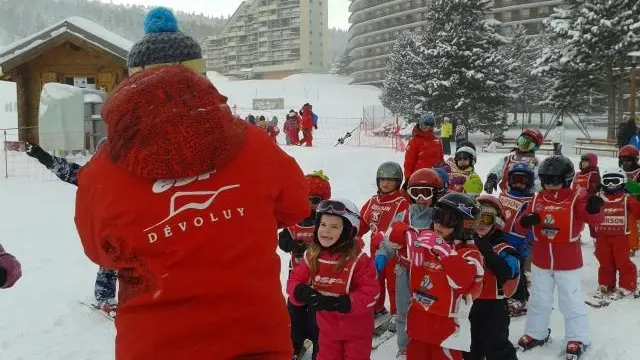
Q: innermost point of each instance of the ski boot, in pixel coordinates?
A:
(575, 349)
(392, 324)
(516, 308)
(108, 306)
(401, 355)
(620, 293)
(526, 342)
(600, 298)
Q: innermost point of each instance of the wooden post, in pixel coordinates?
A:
(632, 95)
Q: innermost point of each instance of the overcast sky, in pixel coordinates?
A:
(338, 9)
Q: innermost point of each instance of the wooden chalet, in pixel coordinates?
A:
(71, 51)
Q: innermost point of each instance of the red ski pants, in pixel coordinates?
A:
(387, 281)
(307, 137)
(612, 253)
(352, 349)
(293, 137)
(417, 350)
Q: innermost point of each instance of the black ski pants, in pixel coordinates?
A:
(490, 331)
(303, 326)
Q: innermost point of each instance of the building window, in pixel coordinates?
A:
(525, 13)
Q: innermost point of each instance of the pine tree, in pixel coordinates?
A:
(403, 72)
(463, 71)
(591, 42)
(341, 65)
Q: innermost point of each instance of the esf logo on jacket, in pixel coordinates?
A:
(189, 200)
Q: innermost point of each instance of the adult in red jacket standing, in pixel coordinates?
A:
(556, 217)
(306, 124)
(424, 149)
(173, 202)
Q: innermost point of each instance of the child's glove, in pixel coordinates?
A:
(376, 240)
(10, 270)
(341, 304)
(441, 249)
(530, 220)
(594, 203)
(306, 294)
(491, 184)
(380, 261)
(35, 151)
(435, 244)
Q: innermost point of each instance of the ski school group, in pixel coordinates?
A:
(455, 262)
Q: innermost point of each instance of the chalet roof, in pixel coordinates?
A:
(77, 26)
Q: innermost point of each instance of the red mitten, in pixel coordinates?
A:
(395, 234)
(376, 241)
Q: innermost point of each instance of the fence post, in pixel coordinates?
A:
(6, 161)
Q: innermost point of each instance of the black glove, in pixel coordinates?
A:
(483, 245)
(594, 203)
(306, 294)
(405, 186)
(340, 304)
(530, 220)
(35, 151)
(315, 127)
(299, 247)
(491, 184)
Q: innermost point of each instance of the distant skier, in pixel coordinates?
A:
(105, 286)
(291, 128)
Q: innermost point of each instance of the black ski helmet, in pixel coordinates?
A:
(466, 211)
(467, 143)
(389, 170)
(556, 168)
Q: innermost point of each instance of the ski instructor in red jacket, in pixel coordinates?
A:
(424, 149)
(176, 202)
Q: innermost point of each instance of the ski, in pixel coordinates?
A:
(110, 316)
(597, 303)
(381, 339)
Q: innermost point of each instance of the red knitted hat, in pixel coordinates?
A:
(170, 122)
(319, 185)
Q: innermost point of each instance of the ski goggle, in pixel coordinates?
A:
(627, 159)
(612, 181)
(525, 143)
(487, 219)
(463, 156)
(551, 180)
(335, 207)
(519, 178)
(420, 192)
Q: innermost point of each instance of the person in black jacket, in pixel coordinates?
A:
(489, 315)
(105, 285)
(295, 240)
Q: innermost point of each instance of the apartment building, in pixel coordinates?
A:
(375, 24)
(529, 13)
(272, 39)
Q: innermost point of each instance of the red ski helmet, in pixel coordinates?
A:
(534, 134)
(629, 151)
(319, 185)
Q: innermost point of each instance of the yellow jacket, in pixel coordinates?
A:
(446, 130)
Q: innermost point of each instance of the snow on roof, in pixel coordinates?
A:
(68, 25)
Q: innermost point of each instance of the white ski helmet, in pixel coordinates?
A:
(469, 151)
(613, 178)
(340, 207)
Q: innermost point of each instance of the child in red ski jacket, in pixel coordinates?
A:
(273, 130)
(445, 276)
(295, 240)
(612, 245)
(338, 280)
(628, 161)
(291, 128)
(589, 176)
(377, 214)
(556, 217)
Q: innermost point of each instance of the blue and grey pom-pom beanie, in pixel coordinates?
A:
(163, 42)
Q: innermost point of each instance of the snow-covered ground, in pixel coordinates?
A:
(41, 319)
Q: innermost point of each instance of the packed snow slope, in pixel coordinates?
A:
(41, 318)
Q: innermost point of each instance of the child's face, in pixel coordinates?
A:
(387, 185)
(463, 163)
(584, 164)
(329, 230)
(483, 229)
(426, 203)
(552, 187)
(444, 232)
